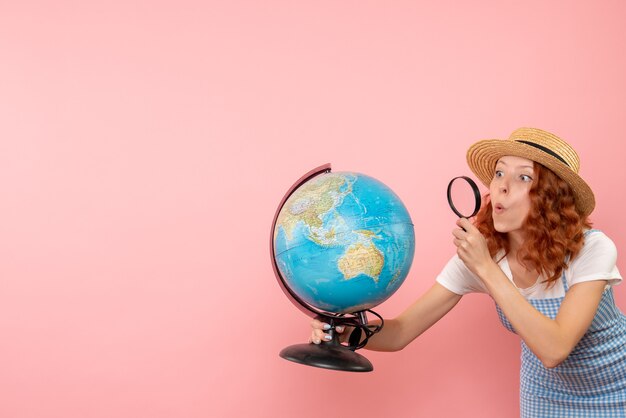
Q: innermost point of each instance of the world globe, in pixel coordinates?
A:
(343, 242)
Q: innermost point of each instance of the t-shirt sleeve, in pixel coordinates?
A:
(596, 261)
(457, 278)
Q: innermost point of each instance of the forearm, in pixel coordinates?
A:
(551, 340)
(387, 339)
(540, 333)
(397, 333)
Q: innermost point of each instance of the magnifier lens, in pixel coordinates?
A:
(463, 197)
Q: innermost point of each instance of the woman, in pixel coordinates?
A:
(533, 251)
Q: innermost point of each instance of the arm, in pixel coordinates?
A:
(551, 340)
(417, 318)
(397, 333)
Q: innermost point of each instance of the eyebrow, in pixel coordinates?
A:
(521, 166)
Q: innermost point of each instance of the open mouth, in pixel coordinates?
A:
(498, 208)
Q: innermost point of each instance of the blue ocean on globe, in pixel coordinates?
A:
(344, 242)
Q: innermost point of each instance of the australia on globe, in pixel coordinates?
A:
(343, 242)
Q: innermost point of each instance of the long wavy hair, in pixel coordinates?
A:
(553, 228)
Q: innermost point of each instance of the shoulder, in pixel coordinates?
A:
(457, 278)
(597, 260)
(597, 242)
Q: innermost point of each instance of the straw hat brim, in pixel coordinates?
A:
(483, 156)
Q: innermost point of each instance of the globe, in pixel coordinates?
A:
(343, 242)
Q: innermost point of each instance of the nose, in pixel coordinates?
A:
(499, 185)
(503, 185)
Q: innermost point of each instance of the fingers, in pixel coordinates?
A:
(316, 324)
(460, 237)
(318, 335)
(463, 242)
(459, 233)
(465, 224)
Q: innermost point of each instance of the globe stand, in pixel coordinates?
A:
(327, 355)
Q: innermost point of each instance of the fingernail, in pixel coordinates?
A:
(326, 326)
(316, 341)
(340, 328)
(327, 337)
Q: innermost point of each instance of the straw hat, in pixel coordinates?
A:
(540, 146)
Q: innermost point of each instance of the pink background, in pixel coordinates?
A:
(144, 147)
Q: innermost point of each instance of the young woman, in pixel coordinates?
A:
(533, 251)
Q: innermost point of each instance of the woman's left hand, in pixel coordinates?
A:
(471, 247)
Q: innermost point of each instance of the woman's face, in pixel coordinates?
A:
(509, 189)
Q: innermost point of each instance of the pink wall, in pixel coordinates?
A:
(144, 147)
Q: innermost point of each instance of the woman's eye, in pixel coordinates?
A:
(525, 177)
(499, 173)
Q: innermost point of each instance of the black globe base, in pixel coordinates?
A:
(327, 355)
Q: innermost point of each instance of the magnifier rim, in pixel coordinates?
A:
(476, 191)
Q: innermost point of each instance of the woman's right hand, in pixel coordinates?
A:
(320, 332)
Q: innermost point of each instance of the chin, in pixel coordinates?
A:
(502, 227)
(505, 228)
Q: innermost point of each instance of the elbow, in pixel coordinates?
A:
(397, 344)
(551, 363)
(400, 346)
(390, 346)
(553, 360)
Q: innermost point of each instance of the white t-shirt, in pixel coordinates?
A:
(595, 261)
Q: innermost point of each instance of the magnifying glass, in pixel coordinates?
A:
(463, 197)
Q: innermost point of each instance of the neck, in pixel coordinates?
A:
(516, 239)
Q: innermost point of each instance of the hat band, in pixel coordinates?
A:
(544, 149)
